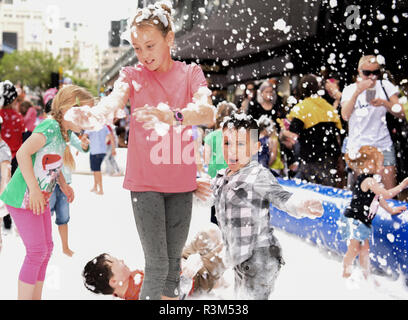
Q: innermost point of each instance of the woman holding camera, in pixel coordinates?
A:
(365, 105)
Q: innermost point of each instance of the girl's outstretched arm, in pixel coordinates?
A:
(34, 143)
(378, 189)
(389, 209)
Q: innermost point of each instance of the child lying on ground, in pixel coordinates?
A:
(202, 262)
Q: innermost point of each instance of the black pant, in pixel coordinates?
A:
(213, 217)
(7, 219)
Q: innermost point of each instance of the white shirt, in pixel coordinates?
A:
(367, 123)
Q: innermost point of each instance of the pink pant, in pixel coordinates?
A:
(36, 233)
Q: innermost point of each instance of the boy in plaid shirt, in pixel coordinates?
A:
(243, 193)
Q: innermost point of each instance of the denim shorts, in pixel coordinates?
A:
(350, 228)
(59, 204)
(389, 157)
(96, 161)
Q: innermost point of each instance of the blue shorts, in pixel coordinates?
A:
(389, 157)
(59, 204)
(350, 228)
(96, 161)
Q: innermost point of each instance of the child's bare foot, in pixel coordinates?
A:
(93, 189)
(68, 252)
(346, 273)
(99, 192)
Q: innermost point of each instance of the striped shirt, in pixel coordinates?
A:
(242, 202)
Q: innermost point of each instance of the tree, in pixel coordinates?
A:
(31, 68)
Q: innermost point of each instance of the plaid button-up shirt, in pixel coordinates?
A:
(242, 202)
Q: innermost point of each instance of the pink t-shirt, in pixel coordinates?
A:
(30, 118)
(155, 163)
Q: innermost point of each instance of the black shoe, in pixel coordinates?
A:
(7, 222)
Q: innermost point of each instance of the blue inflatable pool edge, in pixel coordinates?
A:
(388, 245)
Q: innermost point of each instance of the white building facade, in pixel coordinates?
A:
(32, 25)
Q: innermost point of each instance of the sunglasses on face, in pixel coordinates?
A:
(367, 73)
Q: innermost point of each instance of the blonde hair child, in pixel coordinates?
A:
(26, 196)
(368, 193)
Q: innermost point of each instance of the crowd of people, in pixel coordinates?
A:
(328, 136)
(316, 124)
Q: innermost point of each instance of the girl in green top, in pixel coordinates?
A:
(213, 155)
(40, 160)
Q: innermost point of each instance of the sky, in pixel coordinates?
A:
(97, 14)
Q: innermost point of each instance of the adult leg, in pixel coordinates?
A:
(149, 213)
(389, 174)
(178, 208)
(107, 160)
(389, 177)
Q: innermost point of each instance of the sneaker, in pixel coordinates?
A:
(7, 222)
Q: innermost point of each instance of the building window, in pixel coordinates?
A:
(10, 40)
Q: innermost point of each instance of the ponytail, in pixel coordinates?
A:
(68, 97)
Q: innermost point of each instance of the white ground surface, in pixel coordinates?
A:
(105, 224)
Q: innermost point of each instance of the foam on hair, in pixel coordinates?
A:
(369, 58)
(239, 121)
(157, 15)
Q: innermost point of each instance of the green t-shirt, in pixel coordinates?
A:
(217, 162)
(47, 164)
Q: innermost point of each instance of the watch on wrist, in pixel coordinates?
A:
(179, 117)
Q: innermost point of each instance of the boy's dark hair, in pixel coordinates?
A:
(97, 274)
(241, 120)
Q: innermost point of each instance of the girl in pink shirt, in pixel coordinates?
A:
(161, 169)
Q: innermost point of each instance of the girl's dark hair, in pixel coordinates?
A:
(97, 274)
(24, 106)
(48, 105)
(241, 120)
(308, 86)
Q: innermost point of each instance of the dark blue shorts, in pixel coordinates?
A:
(96, 161)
